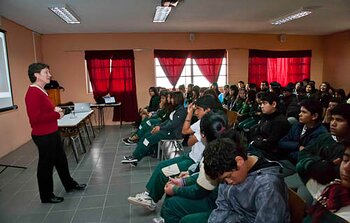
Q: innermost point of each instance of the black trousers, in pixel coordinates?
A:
(51, 154)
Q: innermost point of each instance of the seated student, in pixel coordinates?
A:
(320, 160)
(173, 167)
(188, 194)
(271, 128)
(252, 188)
(240, 99)
(291, 101)
(303, 133)
(333, 200)
(153, 119)
(153, 102)
(249, 107)
(255, 118)
(327, 116)
(170, 129)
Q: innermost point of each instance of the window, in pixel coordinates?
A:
(190, 74)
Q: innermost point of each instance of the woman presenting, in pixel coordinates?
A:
(43, 119)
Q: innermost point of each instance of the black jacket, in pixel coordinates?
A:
(269, 131)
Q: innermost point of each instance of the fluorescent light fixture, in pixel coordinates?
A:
(292, 16)
(65, 13)
(161, 14)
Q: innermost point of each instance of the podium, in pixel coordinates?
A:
(54, 95)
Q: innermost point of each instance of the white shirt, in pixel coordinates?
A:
(198, 148)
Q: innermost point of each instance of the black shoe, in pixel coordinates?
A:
(53, 200)
(77, 187)
(129, 159)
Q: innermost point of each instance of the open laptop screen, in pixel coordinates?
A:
(109, 99)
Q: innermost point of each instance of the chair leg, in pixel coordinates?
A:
(75, 152)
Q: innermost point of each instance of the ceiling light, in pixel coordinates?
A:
(65, 13)
(292, 16)
(161, 14)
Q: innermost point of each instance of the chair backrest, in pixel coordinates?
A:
(297, 207)
(232, 117)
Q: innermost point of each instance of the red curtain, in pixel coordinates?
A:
(280, 66)
(99, 76)
(210, 68)
(172, 63)
(209, 62)
(123, 85)
(257, 70)
(118, 80)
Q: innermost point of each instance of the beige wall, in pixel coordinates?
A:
(15, 129)
(337, 60)
(65, 55)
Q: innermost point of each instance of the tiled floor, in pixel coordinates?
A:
(104, 200)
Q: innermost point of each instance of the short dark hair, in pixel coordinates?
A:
(270, 97)
(314, 107)
(343, 110)
(213, 124)
(35, 68)
(219, 157)
(206, 101)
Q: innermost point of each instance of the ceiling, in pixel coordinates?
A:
(194, 16)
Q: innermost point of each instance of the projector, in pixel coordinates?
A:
(170, 3)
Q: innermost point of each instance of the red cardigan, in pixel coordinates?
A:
(41, 113)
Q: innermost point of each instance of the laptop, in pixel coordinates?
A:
(109, 99)
(81, 107)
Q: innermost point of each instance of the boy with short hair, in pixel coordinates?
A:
(320, 161)
(252, 188)
(271, 128)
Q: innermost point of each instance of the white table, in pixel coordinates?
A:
(72, 121)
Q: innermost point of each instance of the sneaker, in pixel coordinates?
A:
(129, 159)
(144, 200)
(129, 142)
(158, 220)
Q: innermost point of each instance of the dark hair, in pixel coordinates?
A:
(343, 110)
(251, 95)
(341, 93)
(195, 89)
(163, 93)
(270, 97)
(241, 82)
(314, 107)
(219, 157)
(178, 98)
(328, 86)
(213, 124)
(234, 88)
(265, 82)
(202, 89)
(313, 89)
(336, 100)
(35, 68)
(155, 90)
(206, 101)
(182, 86)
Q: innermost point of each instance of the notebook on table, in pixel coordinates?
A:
(81, 107)
(109, 99)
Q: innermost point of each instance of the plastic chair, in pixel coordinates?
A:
(169, 148)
